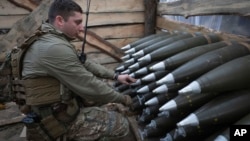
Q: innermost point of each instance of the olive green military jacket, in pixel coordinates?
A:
(53, 55)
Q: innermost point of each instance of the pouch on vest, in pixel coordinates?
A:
(66, 112)
(53, 127)
(34, 130)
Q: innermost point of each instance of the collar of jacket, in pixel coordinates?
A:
(51, 29)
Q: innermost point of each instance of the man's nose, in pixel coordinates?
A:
(81, 27)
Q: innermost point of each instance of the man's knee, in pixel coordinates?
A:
(95, 123)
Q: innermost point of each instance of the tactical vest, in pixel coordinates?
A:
(49, 106)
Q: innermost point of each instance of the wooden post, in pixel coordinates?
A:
(150, 16)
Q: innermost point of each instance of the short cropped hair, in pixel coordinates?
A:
(64, 8)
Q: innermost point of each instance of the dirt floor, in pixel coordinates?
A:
(10, 125)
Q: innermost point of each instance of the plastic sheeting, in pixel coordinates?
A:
(232, 24)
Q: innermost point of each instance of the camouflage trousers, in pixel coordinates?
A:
(95, 123)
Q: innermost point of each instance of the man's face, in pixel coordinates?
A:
(73, 25)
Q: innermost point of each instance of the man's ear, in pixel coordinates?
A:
(59, 20)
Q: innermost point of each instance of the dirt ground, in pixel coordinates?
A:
(10, 132)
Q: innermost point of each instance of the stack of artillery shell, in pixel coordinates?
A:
(189, 86)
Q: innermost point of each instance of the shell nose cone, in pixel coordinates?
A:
(134, 66)
(192, 120)
(121, 68)
(152, 124)
(126, 47)
(126, 57)
(168, 106)
(192, 88)
(126, 72)
(152, 101)
(132, 75)
(146, 58)
(149, 77)
(221, 138)
(143, 70)
(138, 53)
(161, 89)
(168, 137)
(138, 82)
(158, 67)
(132, 50)
(169, 79)
(132, 60)
(143, 89)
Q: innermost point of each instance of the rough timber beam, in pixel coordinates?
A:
(26, 4)
(99, 43)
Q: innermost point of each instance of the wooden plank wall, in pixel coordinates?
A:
(117, 21)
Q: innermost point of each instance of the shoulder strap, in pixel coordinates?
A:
(32, 39)
(18, 53)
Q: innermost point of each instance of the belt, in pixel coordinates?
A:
(62, 112)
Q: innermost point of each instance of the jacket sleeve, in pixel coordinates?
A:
(98, 69)
(62, 63)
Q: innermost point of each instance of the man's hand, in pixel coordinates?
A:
(125, 79)
(127, 100)
(119, 108)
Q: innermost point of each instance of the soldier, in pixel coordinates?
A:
(54, 80)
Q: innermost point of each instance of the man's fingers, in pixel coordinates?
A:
(131, 79)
